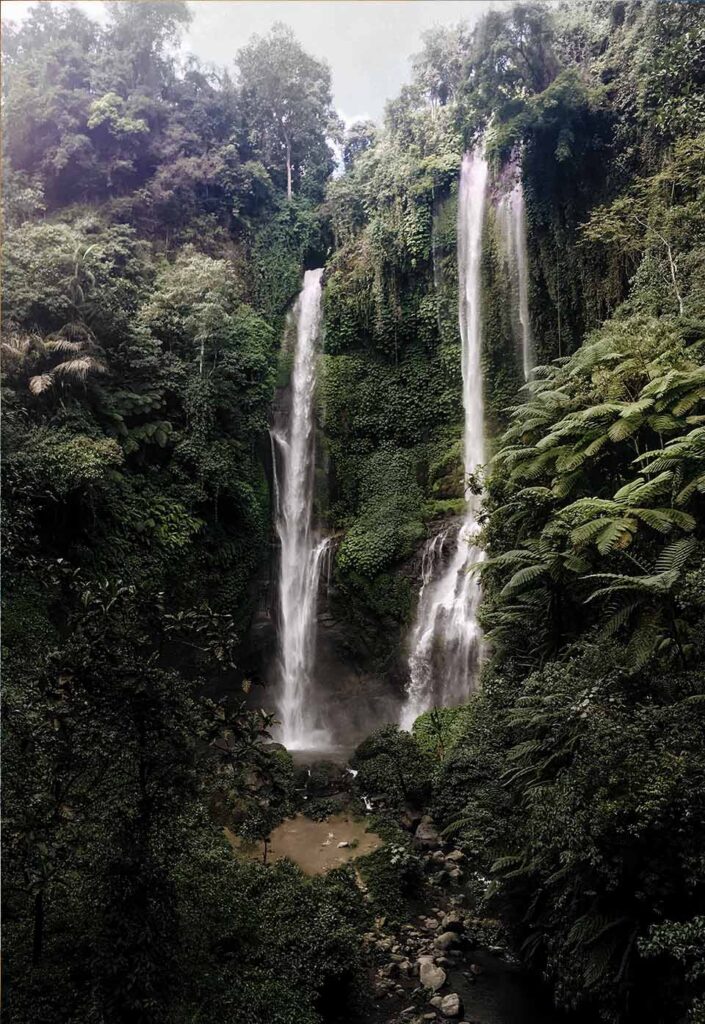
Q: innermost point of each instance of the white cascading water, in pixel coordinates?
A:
(446, 641)
(303, 553)
(511, 217)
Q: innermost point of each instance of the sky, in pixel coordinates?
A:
(368, 43)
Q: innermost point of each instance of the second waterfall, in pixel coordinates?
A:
(302, 551)
(446, 639)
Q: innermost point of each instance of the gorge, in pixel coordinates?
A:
(353, 515)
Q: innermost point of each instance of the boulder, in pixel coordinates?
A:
(426, 834)
(452, 922)
(451, 1005)
(455, 856)
(431, 977)
(446, 940)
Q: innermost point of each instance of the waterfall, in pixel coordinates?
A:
(511, 217)
(303, 553)
(446, 640)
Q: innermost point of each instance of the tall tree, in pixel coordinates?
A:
(288, 94)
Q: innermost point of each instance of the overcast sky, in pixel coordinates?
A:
(367, 43)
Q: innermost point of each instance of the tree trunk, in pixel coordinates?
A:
(288, 169)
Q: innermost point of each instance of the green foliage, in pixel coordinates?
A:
(389, 521)
(290, 112)
(393, 766)
(585, 746)
(436, 731)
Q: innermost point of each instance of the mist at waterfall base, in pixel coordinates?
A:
(302, 550)
(446, 640)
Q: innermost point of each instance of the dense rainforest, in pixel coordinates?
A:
(159, 217)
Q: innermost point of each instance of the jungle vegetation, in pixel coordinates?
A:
(158, 219)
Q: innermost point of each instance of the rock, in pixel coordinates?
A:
(477, 969)
(455, 873)
(344, 845)
(437, 1001)
(455, 855)
(438, 856)
(432, 977)
(446, 940)
(410, 818)
(426, 834)
(429, 1016)
(451, 1005)
(452, 922)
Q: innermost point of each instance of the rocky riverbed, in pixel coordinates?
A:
(439, 966)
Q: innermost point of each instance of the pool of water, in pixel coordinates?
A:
(313, 845)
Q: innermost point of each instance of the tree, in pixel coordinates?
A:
(359, 137)
(440, 66)
(288, 96)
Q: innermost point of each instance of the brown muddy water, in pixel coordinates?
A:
(313, 845)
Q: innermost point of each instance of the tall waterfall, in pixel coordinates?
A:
(302, 552)
(446, 639)
(511, 218)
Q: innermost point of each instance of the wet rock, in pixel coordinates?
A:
(446, 940)
(432, 977)
(451, 1005)
(426, 834)
(453, 922)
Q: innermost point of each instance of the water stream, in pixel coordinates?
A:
(511, 218)
(303, 551)
(446, 641)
